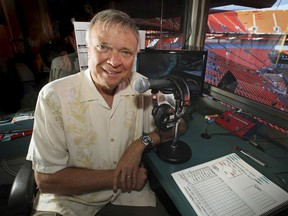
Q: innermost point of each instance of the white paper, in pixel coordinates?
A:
(229, 186)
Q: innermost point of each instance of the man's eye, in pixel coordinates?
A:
(126, 53)
(103, 48)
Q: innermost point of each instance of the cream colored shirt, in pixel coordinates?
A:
(74, 127)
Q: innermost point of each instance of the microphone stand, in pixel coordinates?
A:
(175, 151)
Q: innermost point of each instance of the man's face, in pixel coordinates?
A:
(111, 53)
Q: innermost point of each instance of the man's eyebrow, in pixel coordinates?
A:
(101, 40)
(102, 43)
(125, 48)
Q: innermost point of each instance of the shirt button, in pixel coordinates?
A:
(114, 162)
(112, 139)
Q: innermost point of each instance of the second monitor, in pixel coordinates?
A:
(190, 65)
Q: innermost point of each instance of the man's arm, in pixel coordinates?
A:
(127, 176)
(126, 170)
(69, 181)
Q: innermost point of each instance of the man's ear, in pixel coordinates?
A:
(88, 51)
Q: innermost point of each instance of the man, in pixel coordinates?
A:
(64, 65)
(87, 141)
(67, 63)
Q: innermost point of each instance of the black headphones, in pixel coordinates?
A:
(164, 115)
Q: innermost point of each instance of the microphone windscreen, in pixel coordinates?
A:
(141, 85)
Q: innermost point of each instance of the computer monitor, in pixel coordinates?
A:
(188, 64)
(246, 77)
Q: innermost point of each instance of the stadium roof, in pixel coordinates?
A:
(250, 5)
(246, 3)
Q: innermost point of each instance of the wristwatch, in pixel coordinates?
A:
(147, 141)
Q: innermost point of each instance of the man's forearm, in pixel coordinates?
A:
(71, 181)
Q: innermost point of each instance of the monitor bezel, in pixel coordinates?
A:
(264, 112)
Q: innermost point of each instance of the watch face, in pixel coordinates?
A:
(146, 140)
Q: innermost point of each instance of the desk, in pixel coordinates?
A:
(204, 150)
(17, 147)
(13, 152)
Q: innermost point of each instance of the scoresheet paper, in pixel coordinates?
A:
(229, 186)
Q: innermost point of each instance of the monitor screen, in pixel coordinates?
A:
(244, 74)
(187, 64)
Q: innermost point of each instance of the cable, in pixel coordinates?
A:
(7, 169)
(281, 180)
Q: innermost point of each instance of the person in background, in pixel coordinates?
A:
(91, 130)
(67, 63)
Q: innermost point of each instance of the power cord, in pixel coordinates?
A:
(7, 169)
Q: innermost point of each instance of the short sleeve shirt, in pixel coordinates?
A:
(74, 127)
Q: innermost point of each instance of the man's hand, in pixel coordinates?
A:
(127, 170)
(140, 181)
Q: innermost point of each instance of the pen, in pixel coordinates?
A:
(21, 134)
(248, 154)
(17, 135)
(256, 145)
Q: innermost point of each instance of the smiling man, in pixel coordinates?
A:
(88, 141)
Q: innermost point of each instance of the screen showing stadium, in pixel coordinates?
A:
(253, 64)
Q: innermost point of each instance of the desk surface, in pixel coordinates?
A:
(204, 150)
(17, 147)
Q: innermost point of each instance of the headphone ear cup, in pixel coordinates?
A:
(162, 115)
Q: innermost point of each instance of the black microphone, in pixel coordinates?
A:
(142, 84)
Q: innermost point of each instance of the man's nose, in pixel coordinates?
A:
(114, 59)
